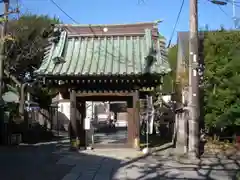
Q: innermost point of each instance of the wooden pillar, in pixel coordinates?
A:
(73, 131)
(130, 124)
(81, 130)
(134, 121)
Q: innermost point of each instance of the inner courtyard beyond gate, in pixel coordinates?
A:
(110, 119)
(107, 122)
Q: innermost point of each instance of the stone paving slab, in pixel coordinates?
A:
(125, 164)
(98, 164)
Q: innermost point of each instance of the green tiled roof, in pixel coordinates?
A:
(104, 55)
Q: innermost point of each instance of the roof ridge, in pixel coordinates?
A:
(97, 25)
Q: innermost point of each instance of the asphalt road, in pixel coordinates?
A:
(31, 162)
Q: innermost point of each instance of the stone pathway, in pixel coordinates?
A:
(98, 164)
(53, 161)
(123, 164)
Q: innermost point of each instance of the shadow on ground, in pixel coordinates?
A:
(53, 161)
(162, 167)
(28, 162)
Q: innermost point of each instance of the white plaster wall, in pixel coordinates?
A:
(64, 107)
(166, 98)
(89, 109)
(62, 118)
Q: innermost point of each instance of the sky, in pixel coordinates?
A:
(131, 11)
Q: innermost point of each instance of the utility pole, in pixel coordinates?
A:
(2, 57)
(3, 37)
(2, 47)
(235, 18)
(193, 103)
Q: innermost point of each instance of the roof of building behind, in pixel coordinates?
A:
(183, 40)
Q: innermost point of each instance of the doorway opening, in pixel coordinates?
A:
(108, 123)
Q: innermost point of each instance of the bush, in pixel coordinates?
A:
(34, 134)
(222, 79)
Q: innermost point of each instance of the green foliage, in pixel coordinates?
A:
(222, 79)
(172, 59)
(25, 52)
(170, 78)
(43, 96)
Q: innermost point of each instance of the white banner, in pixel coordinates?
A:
(150, 114)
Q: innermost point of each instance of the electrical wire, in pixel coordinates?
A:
(70, 17)
(230, 1)
(221, 9)
(64, 12)
(176, 23)
(224, 12)
(236, 3)
(90, 27)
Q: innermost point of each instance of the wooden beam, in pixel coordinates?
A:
(106, 93)
(104, 98)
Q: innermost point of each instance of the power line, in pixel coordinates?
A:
(175, 25)
(219, 6)
(92, 30)
(75, 21)
(230, 1)
(64, 12)
(221, 9)
(234, 18)
(70, 17)
(224, 12)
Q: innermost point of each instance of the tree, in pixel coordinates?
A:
(222, 79)
(172, 59)
(164, 111)
(170, 79)
(25, 52)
